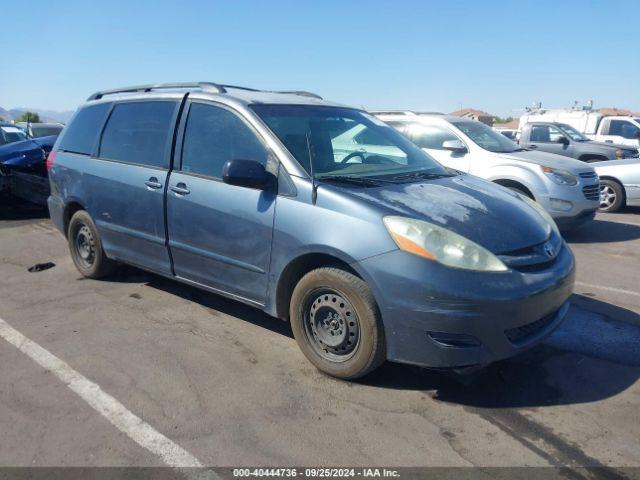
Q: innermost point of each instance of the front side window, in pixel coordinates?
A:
(573, 133)
(486, 137)
(82, 133)
(213, 136)
(308, 132)
(429, 136)
(138, 132)
(623, 128)
(545, 134)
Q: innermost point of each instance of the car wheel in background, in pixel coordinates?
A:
(336, 322)
(86, 248)
(611, 196)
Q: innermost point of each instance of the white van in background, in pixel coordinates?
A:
(623, 130)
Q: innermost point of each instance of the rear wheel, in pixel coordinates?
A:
(611, 196)
(85, 247)
(336, 323)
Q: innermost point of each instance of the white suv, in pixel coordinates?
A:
(568, 189)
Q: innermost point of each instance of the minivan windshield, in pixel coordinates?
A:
(575, 135)
(486, 137)
(336, 142)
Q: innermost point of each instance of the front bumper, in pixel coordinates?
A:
(482, 317)
(583, 208)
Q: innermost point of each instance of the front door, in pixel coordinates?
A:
(547, 138)
(219, 234)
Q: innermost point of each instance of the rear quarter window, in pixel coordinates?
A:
(80, 136)
(138, 132)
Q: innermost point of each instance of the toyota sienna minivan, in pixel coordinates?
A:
(370, 256)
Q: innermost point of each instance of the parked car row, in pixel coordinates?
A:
(22, 163)
(590, 137)
(325, 216)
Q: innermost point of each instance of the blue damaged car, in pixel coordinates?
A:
(22, 163)
(372, 255)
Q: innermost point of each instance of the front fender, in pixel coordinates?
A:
(523, 175)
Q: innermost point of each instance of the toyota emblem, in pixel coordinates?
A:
(549, 250)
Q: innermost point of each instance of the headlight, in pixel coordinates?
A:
(561, 177)
(442, 245)
(543, 213)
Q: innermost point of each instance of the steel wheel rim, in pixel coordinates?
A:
(331, 325)
(607, 196)
(85, 246)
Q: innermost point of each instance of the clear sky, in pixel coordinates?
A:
(498, 56)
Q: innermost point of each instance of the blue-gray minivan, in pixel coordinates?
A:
(370, 255)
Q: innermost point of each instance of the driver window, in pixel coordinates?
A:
(431, 137)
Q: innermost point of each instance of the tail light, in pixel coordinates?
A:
(50, 159)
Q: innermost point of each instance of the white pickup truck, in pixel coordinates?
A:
(622, 130)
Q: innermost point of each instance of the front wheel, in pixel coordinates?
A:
(611, 196)
(336, 322)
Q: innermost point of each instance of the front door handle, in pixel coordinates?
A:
(153, 183)
(181, 189)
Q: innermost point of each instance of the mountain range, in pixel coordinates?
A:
(45, 115)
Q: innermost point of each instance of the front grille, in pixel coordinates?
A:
(520, 335)
(588, 175)
(591, 192)
(534, 257)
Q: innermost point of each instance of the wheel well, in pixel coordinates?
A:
(592, 158)
(297, 269)
(69, 210)
(615, 180)
(514, 184)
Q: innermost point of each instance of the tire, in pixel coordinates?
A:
(330, 300)
(612, 196)
(85, 247)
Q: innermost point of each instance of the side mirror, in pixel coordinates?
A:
(563, 140)
(455, 146)
(246, 173)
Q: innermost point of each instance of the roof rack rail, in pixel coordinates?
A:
(302, 93)
(205, 86)
(391, 112)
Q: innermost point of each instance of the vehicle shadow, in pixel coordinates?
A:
(218, 303)
(589, 358)
(12, 208)
(592, 356)
(603, 231)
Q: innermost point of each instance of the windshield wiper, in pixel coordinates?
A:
(352, 179)
(429, 175)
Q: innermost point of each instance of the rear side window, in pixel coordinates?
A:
(138, 132)
(213, 136)
(81, 135)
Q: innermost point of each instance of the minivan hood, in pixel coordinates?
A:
(481, 211)
(548, 159)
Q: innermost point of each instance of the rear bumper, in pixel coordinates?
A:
(446, 318)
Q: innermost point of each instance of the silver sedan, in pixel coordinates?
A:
(619, 183)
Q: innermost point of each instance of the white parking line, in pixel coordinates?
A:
(609, 289)
(135, 428)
